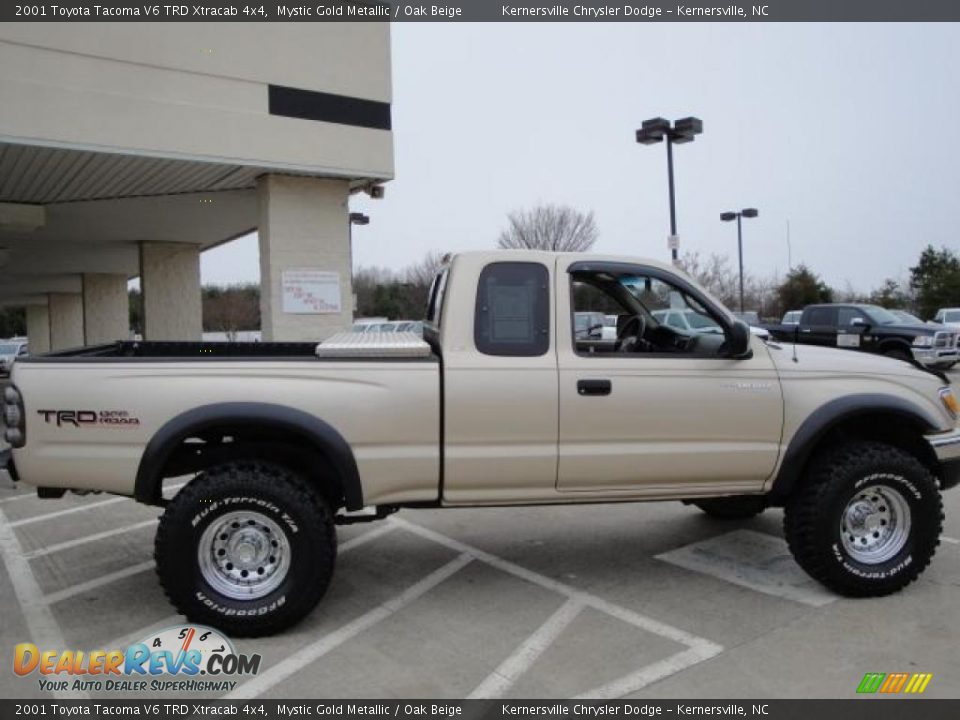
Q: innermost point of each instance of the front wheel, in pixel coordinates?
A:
(246, 547)
(867, 521)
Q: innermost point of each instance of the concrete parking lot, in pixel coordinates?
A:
(651, 600)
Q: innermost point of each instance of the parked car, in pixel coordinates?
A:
(589, 325)
(750, 317)
(10, 350)
(688, 321)
(948, 316)
(791, 317)
(520, 411)
(871, 328)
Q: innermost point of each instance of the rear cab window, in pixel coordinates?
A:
(512, 315)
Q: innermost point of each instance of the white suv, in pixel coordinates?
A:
(948, 316)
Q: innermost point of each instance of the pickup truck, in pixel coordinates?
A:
(500, 403)
(871, 328)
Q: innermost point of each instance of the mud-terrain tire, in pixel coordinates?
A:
(246, 547)
(866, 521)
(736, 507)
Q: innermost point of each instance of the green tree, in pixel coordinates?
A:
(802, 287)
(935, 280)
(890, 295)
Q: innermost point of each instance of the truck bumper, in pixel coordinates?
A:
(946, 446)
(935, 356)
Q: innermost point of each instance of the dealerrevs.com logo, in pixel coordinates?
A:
(183, 658)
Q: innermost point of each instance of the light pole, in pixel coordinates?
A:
(727, 217)
(683, 131)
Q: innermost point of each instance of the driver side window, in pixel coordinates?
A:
(642, 314)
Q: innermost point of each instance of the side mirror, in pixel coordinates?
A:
(738, 339)
(860, 324)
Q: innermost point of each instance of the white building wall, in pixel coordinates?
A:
(170, 284)
(106, 308)
(66, 321)
(303, 226)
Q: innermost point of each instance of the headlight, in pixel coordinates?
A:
(923, 341)
(949, 401)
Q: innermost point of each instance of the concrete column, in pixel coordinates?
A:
(66, 320)
(38, 328)
(303, 229)
(106, 308)
(170, 283)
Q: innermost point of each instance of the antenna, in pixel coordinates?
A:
(789, 251)
(796, 336)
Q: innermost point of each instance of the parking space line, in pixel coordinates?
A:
(646, 675)
(509, 671)
(42, 625)
(952, 541)
(641, 621)
(65, 511)
(80, 508)
(315, 650)
(67, 544)
(22, 496)
(83, 587)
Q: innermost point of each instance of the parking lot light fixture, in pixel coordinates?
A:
(728, 217)
(684, 130)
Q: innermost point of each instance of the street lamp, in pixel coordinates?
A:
(727, 217)
(683, 131)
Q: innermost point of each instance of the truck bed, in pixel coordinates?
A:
(343, 346)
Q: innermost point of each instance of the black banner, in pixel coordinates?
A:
(489, 11)
(862, 709)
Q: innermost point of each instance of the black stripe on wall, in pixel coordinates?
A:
(312, 105)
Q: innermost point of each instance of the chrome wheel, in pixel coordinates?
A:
(875, 525)
(244, 555)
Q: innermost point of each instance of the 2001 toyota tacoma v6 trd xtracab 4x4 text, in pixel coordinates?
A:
(501, 403)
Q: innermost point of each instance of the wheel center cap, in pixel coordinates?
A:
(245, 552)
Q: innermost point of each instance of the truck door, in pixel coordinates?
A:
(670, 412)
(818, 326)
(500, 381)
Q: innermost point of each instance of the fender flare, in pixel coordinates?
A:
(314, 431)
(830, 415)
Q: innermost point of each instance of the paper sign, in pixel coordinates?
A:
(310, 292)
(851, 340)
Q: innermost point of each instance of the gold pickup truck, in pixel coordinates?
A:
(502, 402)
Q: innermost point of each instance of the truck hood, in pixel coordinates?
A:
(811, 358)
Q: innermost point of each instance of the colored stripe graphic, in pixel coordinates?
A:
(912, 683)
(871, 682)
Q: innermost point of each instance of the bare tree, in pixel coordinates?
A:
(549, 227)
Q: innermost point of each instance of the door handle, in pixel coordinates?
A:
(594, 387)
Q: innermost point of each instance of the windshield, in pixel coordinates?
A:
(952, 316)
(881, 316)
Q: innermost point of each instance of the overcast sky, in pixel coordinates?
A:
(846, 130)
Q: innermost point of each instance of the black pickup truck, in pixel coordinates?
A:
(871, 328)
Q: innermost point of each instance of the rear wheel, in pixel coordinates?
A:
(868, 520)
(246, 547)
(738, 507)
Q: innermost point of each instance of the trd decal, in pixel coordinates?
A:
(86, 418)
